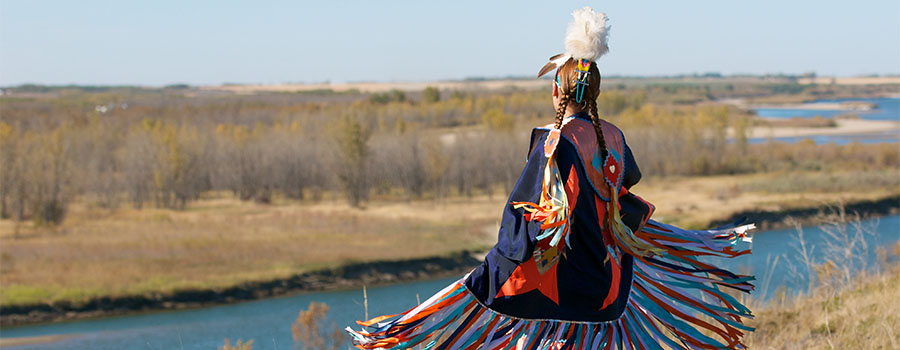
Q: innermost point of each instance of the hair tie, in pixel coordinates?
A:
(583, 70)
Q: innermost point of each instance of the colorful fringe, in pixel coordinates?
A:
(554, 209)
(676, 302)
(624, 238)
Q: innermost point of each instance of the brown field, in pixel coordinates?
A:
(783, 128)
(850, 80)
(220, 241)
(382, 87)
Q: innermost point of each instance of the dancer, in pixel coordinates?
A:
(578, 262)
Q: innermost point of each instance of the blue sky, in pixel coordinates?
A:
(213, 42)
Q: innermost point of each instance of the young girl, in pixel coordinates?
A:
(578, 263)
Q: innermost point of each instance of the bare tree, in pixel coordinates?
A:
(352, 138)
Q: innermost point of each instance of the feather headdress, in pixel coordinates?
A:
(586, 38)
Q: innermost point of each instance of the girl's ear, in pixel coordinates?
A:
(555, 90)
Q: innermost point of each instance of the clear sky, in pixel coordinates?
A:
(212, 42)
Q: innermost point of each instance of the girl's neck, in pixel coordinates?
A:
(573, 110)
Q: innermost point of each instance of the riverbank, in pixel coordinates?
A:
(823, 106)
(343, 277)
(840, 126)
(8, 342)
(788, 118)
(767, 220)
(702, 202)
(353, 275)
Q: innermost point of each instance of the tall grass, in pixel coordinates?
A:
(850, 302)
(311, 330)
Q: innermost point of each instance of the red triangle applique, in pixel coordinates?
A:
(526, 278)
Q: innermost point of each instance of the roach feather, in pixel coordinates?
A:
(547, 67)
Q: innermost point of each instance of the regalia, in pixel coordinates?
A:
(579, 263)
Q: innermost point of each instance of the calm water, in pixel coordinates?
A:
(788, 272)
(888, 109)
(268, 322)
(879, 137)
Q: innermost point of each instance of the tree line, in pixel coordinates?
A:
(166, 149)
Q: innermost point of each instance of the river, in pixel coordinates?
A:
(268, 322)
(887, 108)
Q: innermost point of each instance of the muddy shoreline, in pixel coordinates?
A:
(346, 277)
(358, 274)
(767, 220)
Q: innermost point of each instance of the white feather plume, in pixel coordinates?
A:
(588, 35)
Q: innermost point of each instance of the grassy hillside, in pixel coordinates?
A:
(865, 316)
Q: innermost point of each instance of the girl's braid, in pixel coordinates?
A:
(561, 109)
(595, 119)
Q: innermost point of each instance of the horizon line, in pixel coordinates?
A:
(473, 79)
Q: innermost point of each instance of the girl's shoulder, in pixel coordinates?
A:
(580, 134)
(580, 119)
(579, 131)
(603, 122)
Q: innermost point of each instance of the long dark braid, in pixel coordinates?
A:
(595, 119)
(561, 109)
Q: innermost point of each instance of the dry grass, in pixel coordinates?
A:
(311, 331)
(240, 345)
(41, 339)
(797, 122)
(694, 202)
(222, 242)
(865, 317)
(822, 182)
(851, 302)
(850, 80)
(382, 87)
(219, 242)
(799, 127)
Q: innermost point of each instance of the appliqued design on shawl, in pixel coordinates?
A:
(606, 177)
(612, 168)
(551, 143)
(583, 136)
(553, 210)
